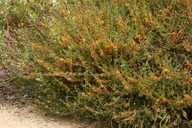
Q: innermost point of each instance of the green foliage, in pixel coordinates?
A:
(125, 63)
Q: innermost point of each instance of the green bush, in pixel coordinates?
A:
(125, 63)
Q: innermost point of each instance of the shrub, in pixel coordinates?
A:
(127, 63)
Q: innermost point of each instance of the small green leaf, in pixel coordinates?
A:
(41, 77)
(46, 90)
(38, 79)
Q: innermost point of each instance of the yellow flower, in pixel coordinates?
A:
(83, 40)
(61, 59)
(83, 94)
(157, 100)
(44, 112)
(163, 98)
(48, 101)
(188, 50)
(158, 110)
(68, 105)
(57, 112)
(134, 19)
(117, 71)
(15, 44)
(184, 114)
(166, 70)
(127, 104)
(172, 92)
(180, 31)
(25, 77)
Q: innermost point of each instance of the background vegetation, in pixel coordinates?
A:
(125, 63)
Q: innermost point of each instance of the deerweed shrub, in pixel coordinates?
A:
(127, 63)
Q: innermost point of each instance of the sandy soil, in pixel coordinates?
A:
(15, 117)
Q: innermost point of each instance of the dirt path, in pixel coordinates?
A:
(15, 117)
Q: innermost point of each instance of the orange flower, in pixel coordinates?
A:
(166, 10)
(157, 79)
(7, 63)
(184, 114)
(65, 15)
(149, 56)
(188, 97)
